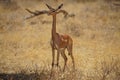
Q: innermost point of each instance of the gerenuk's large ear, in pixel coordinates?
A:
(59, 7)
(50, 8)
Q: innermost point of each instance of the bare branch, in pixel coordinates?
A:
(31, 12)
(64, 12)
(36, 13)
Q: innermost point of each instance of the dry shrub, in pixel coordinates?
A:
(9, 4)
(110, 5)
(74, 29)
(9, 26)
(42, 73)
(67, 75)
(105, 70)
(108, 70)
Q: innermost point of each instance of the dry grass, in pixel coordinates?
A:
(25, 53)
(104, 70)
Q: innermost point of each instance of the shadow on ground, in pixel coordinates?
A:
(22, 76)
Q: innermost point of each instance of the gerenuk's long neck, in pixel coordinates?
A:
(54, 27)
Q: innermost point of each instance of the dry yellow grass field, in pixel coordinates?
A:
(25, 52)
